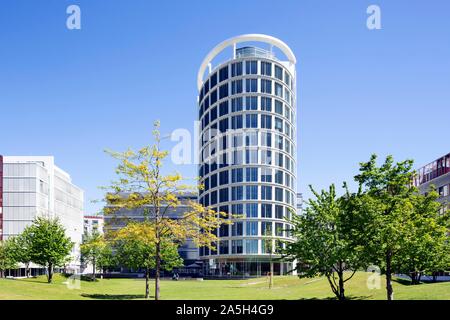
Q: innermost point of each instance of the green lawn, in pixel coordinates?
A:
(288, 287)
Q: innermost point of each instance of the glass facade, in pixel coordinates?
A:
(254, 157)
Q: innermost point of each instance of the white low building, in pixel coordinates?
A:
(33, 186)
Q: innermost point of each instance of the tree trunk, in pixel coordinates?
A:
(389, 290)
(93, 268)
(27, 270)
(147, 286)
(50, 273)
(341, 286)
(158, 269)
(271, 274)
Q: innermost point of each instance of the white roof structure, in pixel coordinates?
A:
(243, 38)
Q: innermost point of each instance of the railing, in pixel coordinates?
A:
(254, 52)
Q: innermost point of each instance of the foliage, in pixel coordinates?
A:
(95, 250)
(22, 249)
(141, 185)
(394, 223)
(322, 246)
(49, 245)
(7, 258)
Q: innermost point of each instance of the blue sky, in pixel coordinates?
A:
(73, 93)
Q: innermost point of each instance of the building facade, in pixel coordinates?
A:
(35, 187)
(116, 220)
(436, 173)
(92, 224)
(247, 153)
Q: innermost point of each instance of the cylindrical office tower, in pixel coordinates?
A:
(247, 150)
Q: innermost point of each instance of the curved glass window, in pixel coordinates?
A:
(251, 246)
(251, 67)
(252, 229)
(266, 68)
(236, 69)
(236, 86)
(251, 210)
(251, 85)
(223, 74)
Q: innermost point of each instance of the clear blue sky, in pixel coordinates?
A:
(72, 94)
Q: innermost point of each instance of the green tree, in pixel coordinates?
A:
(426, 248)
(94, 250)
(136, 248)
(322, 246)
(49, 245)
(7, 257)
(141, 184)
(395, 223)
(21, 245)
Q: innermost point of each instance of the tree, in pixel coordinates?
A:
(141, 184)
(136, 248)
(426, 248)
(396, 224)
(49, 245)
(322, 246)
(93, 248)
(7, 258)
(21, 245)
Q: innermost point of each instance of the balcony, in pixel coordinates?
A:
(246, 52)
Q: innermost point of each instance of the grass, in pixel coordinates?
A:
(285, 288)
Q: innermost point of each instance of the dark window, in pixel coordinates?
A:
(206, 88)
(213, 80)
(266, 211)
(223, 108)
(278, 212)
(251, 120)
(236, 122)
(266, 104)
(236, 86)
(278, 107)
(236, 229)
(213, 97)
(213, 181)
(266, 86)
(224, 249)
(236, 69)
(266, 193)
(266, 228)
(223, 74)
(237, 175)
(223, 91)
(266, 122)
(223, 125)
(278, 72)
(251, 67)
(278, 194)
(237, 247)
(236, 104)
(266, 68)
(279, 176)
(223, 195)
(213, 198)
(223, 177)
(213, 115)
(251, 103)
(251, 85)
(251, 174)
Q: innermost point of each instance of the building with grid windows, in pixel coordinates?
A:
(33, 187)
(247, 114)
(437, 174)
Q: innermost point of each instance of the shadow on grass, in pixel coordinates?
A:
(405, 282)
(114, 296)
